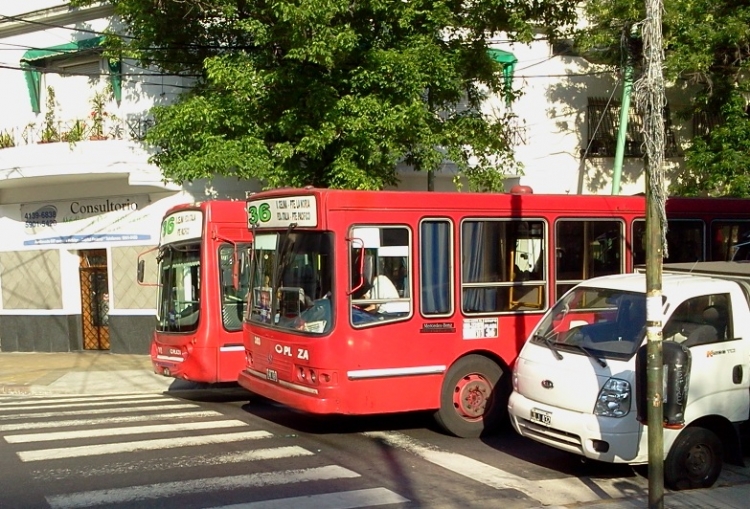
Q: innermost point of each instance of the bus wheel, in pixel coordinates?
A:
(472, 401)
(694, 460)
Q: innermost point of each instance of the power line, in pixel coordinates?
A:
(52, 25)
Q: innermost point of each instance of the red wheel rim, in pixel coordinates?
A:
(471, 396)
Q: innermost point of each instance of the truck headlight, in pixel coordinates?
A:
(614, 399)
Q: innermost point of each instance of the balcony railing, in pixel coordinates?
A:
(107, 128)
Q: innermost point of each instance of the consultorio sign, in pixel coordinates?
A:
(84, 220)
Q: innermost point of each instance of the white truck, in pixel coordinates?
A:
(574, 382)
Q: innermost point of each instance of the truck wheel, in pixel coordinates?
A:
(694, 460)
(472, 401)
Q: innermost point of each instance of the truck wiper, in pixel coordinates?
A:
(588, 352)
(550, 344)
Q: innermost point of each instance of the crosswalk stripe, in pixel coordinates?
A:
(26, 402)
(339, 500)
(473, 469)
(78, 404)
(130, 430)
(161, 464)
(94, 411)
(141, 445)
(139, 494)
(107, 420)
(548, 492)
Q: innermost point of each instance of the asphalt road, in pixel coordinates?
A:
(214, 449)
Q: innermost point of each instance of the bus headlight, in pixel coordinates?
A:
(614, 399)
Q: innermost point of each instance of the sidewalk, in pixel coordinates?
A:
(90, 372)
(728, 497)
(105, 373)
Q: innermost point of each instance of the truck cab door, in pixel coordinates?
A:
(720, 370)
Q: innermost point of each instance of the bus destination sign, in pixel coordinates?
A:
(182, 225)
(281, 212)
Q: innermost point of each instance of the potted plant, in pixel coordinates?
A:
(49, 130)
(6, 139)
(98, 115)
(76, 133)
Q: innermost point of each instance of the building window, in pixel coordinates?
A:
(64, 59)
(603, 121)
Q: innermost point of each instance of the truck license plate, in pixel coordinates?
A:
(541, 417)
(272, 375)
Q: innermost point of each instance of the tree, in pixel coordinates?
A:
(707, 47)
(331, 93)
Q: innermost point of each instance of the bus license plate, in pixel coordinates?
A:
(272, 375)
(541, 417)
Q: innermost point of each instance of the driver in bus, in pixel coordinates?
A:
(382, 288)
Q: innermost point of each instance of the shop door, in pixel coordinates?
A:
(94, 299)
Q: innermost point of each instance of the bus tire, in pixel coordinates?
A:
(472, 400)
(694, 460)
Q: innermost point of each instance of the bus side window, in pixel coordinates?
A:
(587, 248)
(435, 262)
(502, 266)
(380, 279)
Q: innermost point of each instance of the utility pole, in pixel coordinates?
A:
(652, 102)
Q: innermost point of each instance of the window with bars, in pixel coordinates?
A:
(603, 121)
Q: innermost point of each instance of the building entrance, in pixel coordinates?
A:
(94, 299)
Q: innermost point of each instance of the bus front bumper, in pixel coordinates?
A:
(301, 397)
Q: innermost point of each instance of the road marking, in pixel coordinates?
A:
(546, 492)
(79, 404)
(340, 500)
(47, 436)
(141, 445)
(117, 410)
(141, 494)
(161, 464)
(47, 400)
(107, 420)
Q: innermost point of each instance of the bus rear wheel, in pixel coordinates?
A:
(472, 400)
(694, 460)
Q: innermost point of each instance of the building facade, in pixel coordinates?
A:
(79, 200)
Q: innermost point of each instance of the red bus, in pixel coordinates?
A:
(469, 275)
(200, 303)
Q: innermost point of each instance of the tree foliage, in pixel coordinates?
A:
(331, 93)
(707, 51)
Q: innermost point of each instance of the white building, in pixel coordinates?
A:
(79, 200)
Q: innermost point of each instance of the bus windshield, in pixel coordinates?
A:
(291, 280)
(179, 289)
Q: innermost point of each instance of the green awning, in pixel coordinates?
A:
(37, 57)
(508, 61)
(70, 48)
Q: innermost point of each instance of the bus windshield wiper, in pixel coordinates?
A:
(588, 352)
(550, 344)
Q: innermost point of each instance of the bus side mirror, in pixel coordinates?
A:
(236, 270)
(358, 279)
(141, 270)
